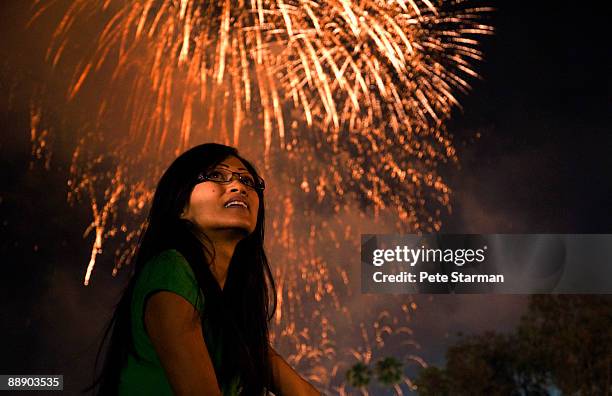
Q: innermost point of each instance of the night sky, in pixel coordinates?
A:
(534, 144)
(543, 109)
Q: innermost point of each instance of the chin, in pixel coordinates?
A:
(243, 229)
(240, 233)
(238, 222)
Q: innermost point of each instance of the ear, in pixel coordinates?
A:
(183, 213)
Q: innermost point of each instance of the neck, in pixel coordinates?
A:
(224, 243)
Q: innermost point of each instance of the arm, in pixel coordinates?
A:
(286, 381)
(174, 328)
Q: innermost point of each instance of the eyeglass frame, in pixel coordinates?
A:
(260, 184)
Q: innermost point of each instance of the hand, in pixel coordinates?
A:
(287, 382)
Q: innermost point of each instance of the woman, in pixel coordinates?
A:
(194, 317)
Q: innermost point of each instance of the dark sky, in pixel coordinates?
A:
(543, 111)
(541, 164)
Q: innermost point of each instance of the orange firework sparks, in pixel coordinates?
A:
(343, 101)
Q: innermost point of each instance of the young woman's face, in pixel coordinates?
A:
(215, 207)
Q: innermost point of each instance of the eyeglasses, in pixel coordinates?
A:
(224, 176)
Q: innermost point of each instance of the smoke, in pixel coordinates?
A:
(54, 323)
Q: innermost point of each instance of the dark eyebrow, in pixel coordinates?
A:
(225, 165)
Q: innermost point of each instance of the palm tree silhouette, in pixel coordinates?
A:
(359, 376)
(389, 372)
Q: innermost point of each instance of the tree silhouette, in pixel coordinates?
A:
(570, 336)
(562, 341)
(389, 371)
(433, 381)
(359, 375)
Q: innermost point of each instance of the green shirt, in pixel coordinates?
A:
(167, 271)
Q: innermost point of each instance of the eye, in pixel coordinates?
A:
(215, 175)
(247, 180)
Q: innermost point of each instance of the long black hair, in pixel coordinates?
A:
(239, 313)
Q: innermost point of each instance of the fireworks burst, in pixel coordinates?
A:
(344, 103)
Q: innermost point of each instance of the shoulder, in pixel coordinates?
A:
(167, 258)
(168, 263)
(169, 271)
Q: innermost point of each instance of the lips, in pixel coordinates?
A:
(236, 202)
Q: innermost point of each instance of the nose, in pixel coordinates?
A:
(236, 186)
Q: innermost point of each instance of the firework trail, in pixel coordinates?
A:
(343, 101)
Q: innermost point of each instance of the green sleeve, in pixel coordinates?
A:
(168, 271)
